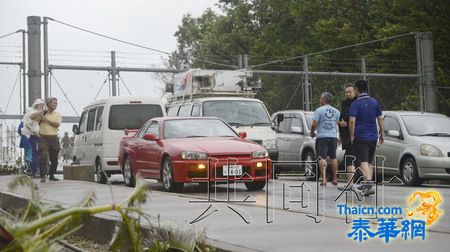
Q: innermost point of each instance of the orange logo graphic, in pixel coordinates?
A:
(427, 206)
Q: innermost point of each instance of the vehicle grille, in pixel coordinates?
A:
(230, 156)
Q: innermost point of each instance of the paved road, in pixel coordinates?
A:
(244, 224)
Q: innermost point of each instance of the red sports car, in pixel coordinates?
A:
(177, 150)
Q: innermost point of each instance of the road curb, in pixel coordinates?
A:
(100, 227)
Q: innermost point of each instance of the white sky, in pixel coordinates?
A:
(147, 22)
(150, 23)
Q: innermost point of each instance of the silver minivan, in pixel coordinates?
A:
(416, 146)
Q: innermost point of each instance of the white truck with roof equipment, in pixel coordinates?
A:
(228, 95)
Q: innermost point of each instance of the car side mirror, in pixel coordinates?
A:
(150, 137)
(242, 135)
(296, 130)
(75, 129)
(280, 118)
(393, 133)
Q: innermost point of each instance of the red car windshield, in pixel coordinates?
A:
(189, 128)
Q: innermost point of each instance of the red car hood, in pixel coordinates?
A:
(215, 146)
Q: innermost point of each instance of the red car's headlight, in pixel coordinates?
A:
(193, 155)
(260, 154)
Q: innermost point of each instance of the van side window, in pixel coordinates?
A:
(172, 111)
(196, 110)
(98, 118)
(90, 120)
(185, 110)
(83, 122)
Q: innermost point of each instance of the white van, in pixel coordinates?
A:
(101, 128)
(243, 114)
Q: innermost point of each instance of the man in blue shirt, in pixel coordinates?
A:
(364, 114)
(325, 120)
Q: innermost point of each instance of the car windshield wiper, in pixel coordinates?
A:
(436, 134)
(193, 136)
(235, 123)
(259, 123)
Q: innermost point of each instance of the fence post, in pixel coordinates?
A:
(419, 71)
(34, 58)
(113, 73)
(431, 104)
(307, 94)
(24, 72)
(240, 64)
(364, 73)
(245, 61)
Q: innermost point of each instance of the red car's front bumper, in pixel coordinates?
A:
(188, 171)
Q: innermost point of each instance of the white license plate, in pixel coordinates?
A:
(232, 170)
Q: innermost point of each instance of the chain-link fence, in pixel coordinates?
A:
(10, 104)
(443, 95)
(298, 82)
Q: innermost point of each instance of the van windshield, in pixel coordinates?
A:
(132, 116)
(238, 113)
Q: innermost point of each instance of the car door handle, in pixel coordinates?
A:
(139, 146)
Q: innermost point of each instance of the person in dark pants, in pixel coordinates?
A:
(363, 116)
(325, 120)
(30, 129)
(49, 141)
(25, 144)
(344, 133)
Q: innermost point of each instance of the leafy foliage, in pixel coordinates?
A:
(40, 225)
(268, 30)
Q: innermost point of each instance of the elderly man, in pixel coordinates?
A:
(49, 141)
(325, 120)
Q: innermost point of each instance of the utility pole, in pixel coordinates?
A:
(34, 58)
(113, 73)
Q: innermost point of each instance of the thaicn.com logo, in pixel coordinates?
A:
(394, 222)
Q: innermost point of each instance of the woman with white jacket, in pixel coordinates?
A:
(30, 129)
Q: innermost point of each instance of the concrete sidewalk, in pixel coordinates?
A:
(290, 231)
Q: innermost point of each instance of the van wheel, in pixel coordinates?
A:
(128, 176)
(256, 185)
(168, 178)
(409, 172)
(100, 176)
